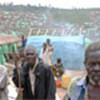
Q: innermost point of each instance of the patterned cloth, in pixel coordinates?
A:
(77, 89)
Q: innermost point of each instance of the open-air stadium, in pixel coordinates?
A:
(34, 21)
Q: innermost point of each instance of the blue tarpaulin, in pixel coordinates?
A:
(70, 49)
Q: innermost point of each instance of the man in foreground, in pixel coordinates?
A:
(87, 88)
(36, 78)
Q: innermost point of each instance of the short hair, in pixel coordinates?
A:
(91, 49)
(58, 60)
(44, 44)
(48, 40)
(30, 48)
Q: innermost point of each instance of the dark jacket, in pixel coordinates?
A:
(45, 87)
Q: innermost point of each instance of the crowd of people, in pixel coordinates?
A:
(16, 24)
(34, 75)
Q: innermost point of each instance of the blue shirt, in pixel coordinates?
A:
(77, 89)
(23, 43)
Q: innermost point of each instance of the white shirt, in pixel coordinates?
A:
(32, 77)
(45, 56)
(50, 47)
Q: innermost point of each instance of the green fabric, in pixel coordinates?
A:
(2, 58)
(87, 42)
(1, 50)
(5, 49)
(10, 48)
(15, 48)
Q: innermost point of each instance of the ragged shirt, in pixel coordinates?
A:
(77, 89)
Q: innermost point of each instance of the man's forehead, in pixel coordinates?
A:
(30, 52)
(30, 49)
(94, 55)
(93, 58)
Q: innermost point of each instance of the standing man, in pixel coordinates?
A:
(37, 80)
(50, 51)
(3, 83)
(87, 88)
(44, 54)
(23, 41)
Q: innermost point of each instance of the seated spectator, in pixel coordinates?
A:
(59, 63)
(58, 68)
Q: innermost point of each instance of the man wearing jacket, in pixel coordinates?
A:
(37, 80)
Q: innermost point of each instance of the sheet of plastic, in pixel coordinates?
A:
(69, 48)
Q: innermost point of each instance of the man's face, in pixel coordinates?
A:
(93, 70)
(31, 57)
